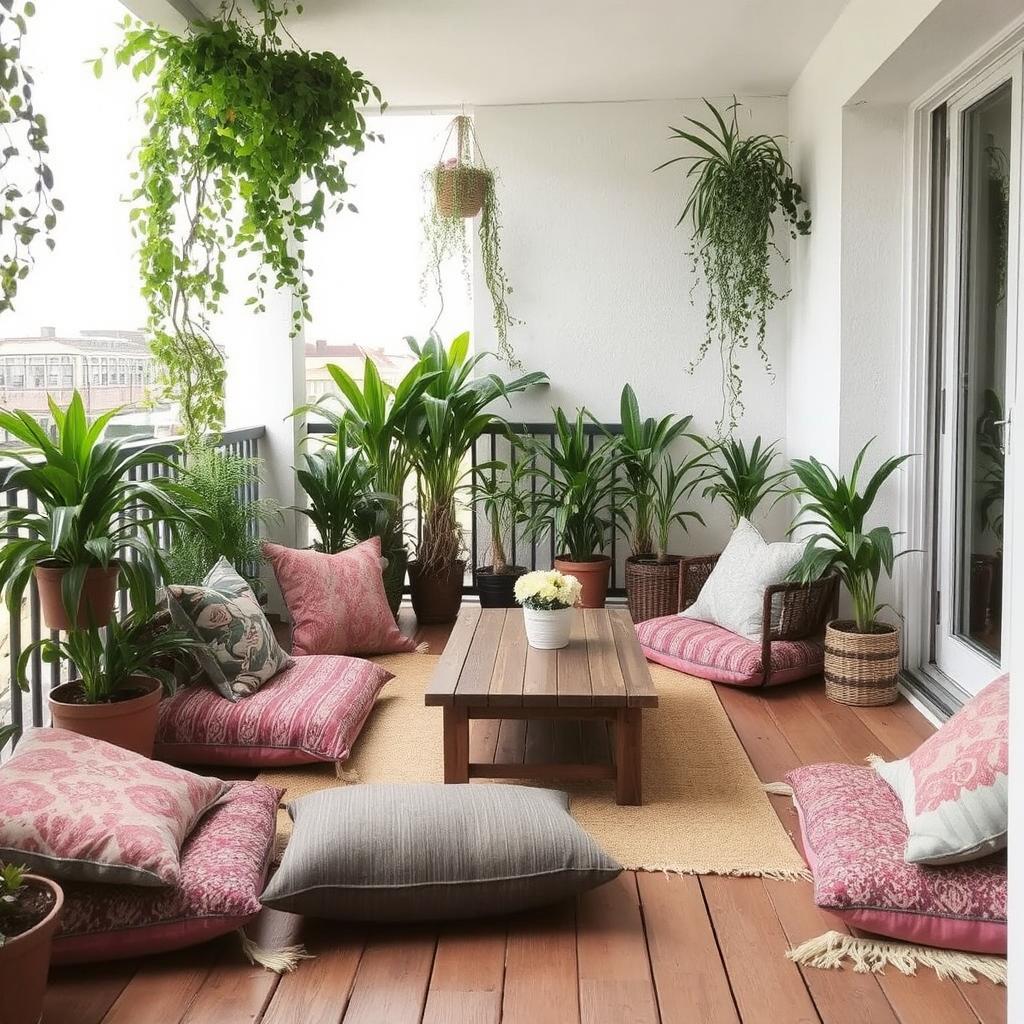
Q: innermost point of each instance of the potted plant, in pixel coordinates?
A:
(459, 187)
(862, 655)
(739, 182)
(499, 492)
(30, 909)
(742, 479)
(579, 495)
(450, 414)
(120, 678)
(84, 509)
(548, 599)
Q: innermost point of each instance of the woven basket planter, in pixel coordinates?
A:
(652, 588)
(861, 669)
(460, 190)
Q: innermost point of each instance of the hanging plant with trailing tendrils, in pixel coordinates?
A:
(238, 117)
(740, 182)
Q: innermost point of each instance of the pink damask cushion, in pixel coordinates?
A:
(854, 836)
(954, 786)
(312, 711)
(223, 868)
(78, 809)
(337, 603)
(711, 652)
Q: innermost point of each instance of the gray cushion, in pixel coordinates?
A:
(432, 852)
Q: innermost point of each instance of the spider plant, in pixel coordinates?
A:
(672, 486)
(740, 478)
(644, 444)
(499, 489)
(843, 545)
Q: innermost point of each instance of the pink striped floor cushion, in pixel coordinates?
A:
(711, 652)
(312, 711)
(223, 869)
(854, 839)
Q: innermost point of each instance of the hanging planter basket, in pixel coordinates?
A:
(461, 180)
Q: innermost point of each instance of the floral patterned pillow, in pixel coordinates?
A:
(78, 809)
(241, 652)
(954, 786)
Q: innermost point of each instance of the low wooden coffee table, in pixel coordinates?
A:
(488, 670)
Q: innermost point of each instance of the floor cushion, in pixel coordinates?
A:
(433, 852)
(78, 809)
(223, 868)
(337, 603)
(239, 652)
(312, 711)
(954, 786)
(711, 652)
(854, 839)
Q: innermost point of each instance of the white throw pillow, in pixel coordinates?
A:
(733, 596)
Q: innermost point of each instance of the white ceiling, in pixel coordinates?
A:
(448, 52)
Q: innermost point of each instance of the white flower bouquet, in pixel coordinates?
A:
(548, 598)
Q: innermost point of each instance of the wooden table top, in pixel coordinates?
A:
(487, 662)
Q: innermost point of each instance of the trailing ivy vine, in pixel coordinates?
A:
(739, 184)
(238, 117)
(29, 209)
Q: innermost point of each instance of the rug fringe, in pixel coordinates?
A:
(830, 950)
(280, 961)
(776, 874)
(874, 760)
(423, 647)
(777, 788)
(349, 775)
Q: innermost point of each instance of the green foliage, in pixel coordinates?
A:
(88, 508)
(7, 733)
(29, 210)
(12, 884)
(992, 463)
(644, 444)
(843, 545)
(673, 485)
(740, 478)
(212, 489)
(236, 120)
(739, 184)
(499, 489)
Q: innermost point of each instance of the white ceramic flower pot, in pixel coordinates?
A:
(548, 630)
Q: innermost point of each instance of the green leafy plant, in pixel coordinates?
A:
(457, 188)
(238, 117)
(673, 485)
(644, 444)
(742, 479)
(7, 733)
(499, 490)
(12, 887)
(29, 210)
(450, 414)
(739, 184)
(87, 507)
(843, 545)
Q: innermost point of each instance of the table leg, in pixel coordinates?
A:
(456, 744)
(628, 756)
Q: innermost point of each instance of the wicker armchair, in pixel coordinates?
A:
(792, 611)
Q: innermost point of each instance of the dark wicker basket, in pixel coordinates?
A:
(652, 587)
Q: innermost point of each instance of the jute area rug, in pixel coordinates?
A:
(704, 811)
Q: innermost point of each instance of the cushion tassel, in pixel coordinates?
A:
(280, 961)
(423, 647)
(830, 950)
(349, 775)
(777, 788)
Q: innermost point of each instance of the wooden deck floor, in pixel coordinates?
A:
(645, 948)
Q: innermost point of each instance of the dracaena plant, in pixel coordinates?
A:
(834, 507)
(84, 506)
(500, 491)
(742, 479)
(673, 485)
(644, 444)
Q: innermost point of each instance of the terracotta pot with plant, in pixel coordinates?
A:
(30, 909)
(862, 655)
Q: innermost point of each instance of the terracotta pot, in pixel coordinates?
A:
(394, 577)
(463, 185)
(593, 577)
(25, 963)
(436, 596)
(861, 669)
(96, 603)
(497, 590)
(125, 723)
(652, 587)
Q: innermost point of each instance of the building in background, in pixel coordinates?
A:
(392, 367)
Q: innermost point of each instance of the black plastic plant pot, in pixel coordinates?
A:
(497, 590)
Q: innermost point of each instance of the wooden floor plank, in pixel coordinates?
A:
(844, 725)
(392, 978)
(483, 739)
(540, 968)
(163, 988)
(689, 976)
(901, 727)
(767, 987)
(84, 994)
(987, 1000)
(614, 970)
(923, 999)
(766, 746)
(468, 975)
(809, 741)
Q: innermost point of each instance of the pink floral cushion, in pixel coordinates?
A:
(78, 809)
(954, 786)
(223, 869)
(854, 836)
(337, 603)
(312, 711)
(711, 652)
